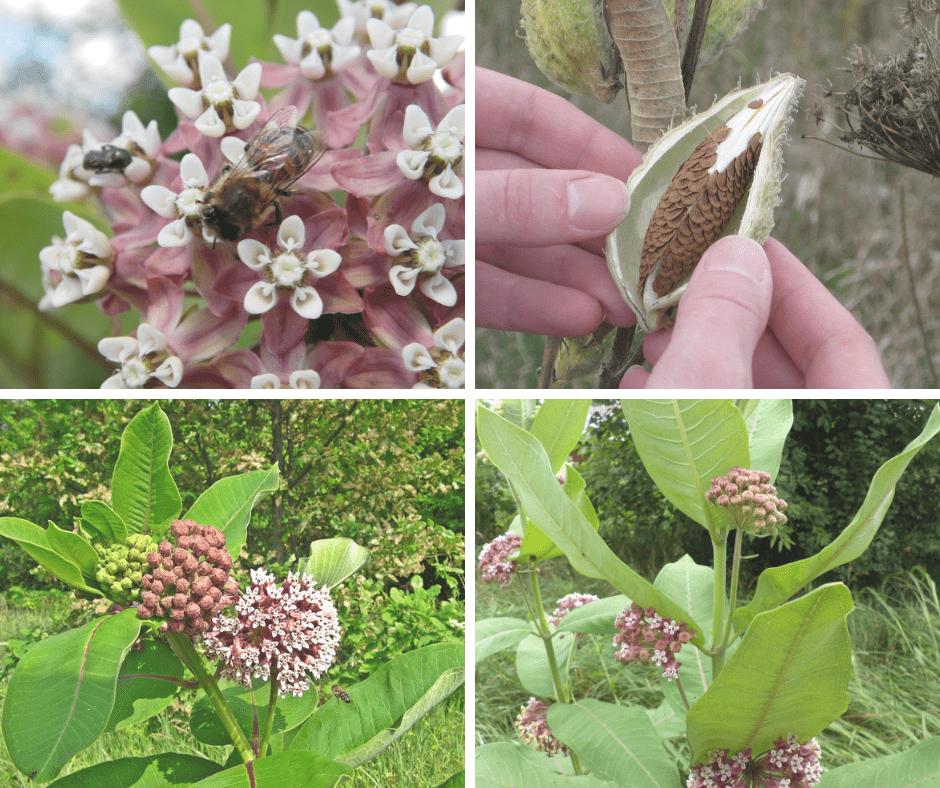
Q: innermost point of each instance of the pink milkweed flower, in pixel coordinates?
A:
(496, 565)
(750, 499)
(298, 379)
(412, 54)
(434, 154)
(220, 106)
(532, 724)
(646, 637)
(287, 271)
(183, 207)
(420, 257)
(142, 142)
(319, 51)
(142, 358)
(77, 266)
(180, 60)
(568, 603)
(361, 11)
(442, 364)
(72, 184)
(788, 764)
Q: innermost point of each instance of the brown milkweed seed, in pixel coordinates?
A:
(694, 211)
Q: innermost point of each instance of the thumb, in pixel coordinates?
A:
(722, 315)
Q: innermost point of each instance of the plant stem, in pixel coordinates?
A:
(685, 698)
(269, 718)
(549, 357)
(720, 552)
(694, 44)
(735, 573)
(905, 251)
(183, 648)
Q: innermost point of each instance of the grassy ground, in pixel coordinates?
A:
(895, 691)
(430, 752)
(840, 213)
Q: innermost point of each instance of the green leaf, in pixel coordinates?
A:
(227, 504)
(768, 423)
(594, 618)
(532, 665)
(35, 542)
(154, 771)
(668, 721)
(558, 426)
(104, 521)
(456, 780)
(523, 461)
(24, 177)
(510, 765)
(333, 560)
(535, 544)
(290, 712)
(143, 491)
(282, 769)
(917, 766)
(779, 583)
(614, 742)
(141, 692)
(385, 706)
(789, 676)
(497, 634)
(62, 691)
(74, 547)
(684, 444)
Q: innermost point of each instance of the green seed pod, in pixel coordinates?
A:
(717, 174)
(727, 20)
(570, 43)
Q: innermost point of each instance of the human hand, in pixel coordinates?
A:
(756, 317)
(549, 188)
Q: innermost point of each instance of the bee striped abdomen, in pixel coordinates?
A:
(340, 693)
(694, 211)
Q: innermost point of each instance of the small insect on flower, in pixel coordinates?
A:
(107, 158)
(273, 160)
(340, 693)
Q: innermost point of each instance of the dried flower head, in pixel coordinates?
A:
(189, 584)
(122, 566)
(647, 637)
(495, 563)
(532, 725)
(287, 632)
(568, 603)
(788, 764)
(750, 499)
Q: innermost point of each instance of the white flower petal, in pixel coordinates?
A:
(422, 19)
(210, 124)
(312, 66)
(107, 180)
(68, 190)
(443, 49)
(450, 336)
(137, 171)
(150, 139)
(260, 297)
(266, 381)
(454, 121)
(117, 349)
(446, 184)
(248, 81)
(160, 200)
(210, 69)
(150, 339)
(403, 279)
(161, 55)
(116, 381)
(416, 357)
(179, 71)
(190, 28)
(175, 234)
(68, 291)
(323, 262)
(381, 36)
(452, 373)
(170, 372)
(307, 23)
(397, 240)
(219, 41)
(343, 33)
(193, 172)
(94, 279)
(244, 113)
(343, 56)
(454, 251)
(421, 69)
(384, 61)
(49, 256)
(307, 303)
(131, 125)
(290, 48)
(291, 234)
(429, 222)
(439, 288)
(305, 379)
(417, 126)
(233, 148)
(187, 101)
(411, 163)
(254, 254)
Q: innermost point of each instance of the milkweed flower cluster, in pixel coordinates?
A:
(568, 603)
(189, 583)
(645, 636)
(495, 563)
(788, 764)
(750, 499)
(122, 566)
(532, 724)
(285, 631)
(360, 286)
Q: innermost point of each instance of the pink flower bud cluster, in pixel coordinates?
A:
(287, 632)
(568, 603)
(495, 565)
(751, 499)
(532, 724)
(647, 637)
(788, 764)
(189, 584)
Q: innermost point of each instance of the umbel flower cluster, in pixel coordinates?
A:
(532, 724)
(568, 603)
(788, 764)
(645, 636)
(189, 584)
(751, 500)
(287, 632)
(122, 567)
(495, 563)
(360, 285)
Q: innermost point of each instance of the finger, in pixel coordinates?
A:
(544, 207)
(501, 160)
(821, 336)
(566, 265)
(511, 302)
(721, 318)
(635, 378)
(518, 117)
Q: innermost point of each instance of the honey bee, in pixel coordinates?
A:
(273, 160)
(340, 693)
(107, 158)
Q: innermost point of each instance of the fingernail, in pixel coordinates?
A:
(737, 255)
(597, 203)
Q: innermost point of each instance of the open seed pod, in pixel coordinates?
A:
(717, 174)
